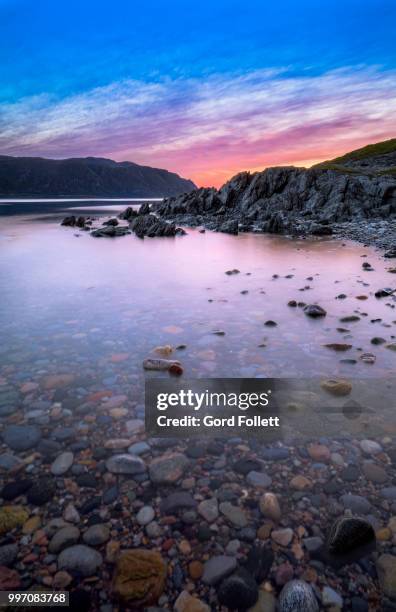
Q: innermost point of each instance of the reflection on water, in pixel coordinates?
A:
(73, 302)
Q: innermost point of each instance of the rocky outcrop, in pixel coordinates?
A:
(286, 200)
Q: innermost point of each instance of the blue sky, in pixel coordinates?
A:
(144, 80)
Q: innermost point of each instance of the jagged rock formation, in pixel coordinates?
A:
(292, 200)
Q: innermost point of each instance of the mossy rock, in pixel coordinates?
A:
(139, 577)
(11, 517)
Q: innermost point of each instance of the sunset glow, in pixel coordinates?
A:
(205, 116)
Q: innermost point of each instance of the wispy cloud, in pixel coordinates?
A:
(209, 129)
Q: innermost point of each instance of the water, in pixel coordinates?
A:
(70, 299)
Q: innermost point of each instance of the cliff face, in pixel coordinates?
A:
(35, 176)
(293, 200)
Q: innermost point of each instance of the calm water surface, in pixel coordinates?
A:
(98, 307)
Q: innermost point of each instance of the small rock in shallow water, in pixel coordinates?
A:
(386, 568)
(139, 577)
(368, 358)
(21, 437)
(168, 468)
(238, 591)
(125, 464)
(337, 387)
(187, 603)
(234, 514)
(217, 568)
(269, 506)
(348, 534)
(65, 537)
(42, 491)
(370, 447)
(297, 596)
(159, 364)
(315, 311)
(96, 535)
(62, 464)
(80, 559)
(145, 515)
(209, 509)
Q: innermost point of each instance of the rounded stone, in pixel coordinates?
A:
(269, 506)
(62, 464)
(96, 535)
(145, 515)
(80, 559)
(297, 596)
(65, 537)
(139, 577)
(21, 437)
(337, 387)
(349, 533)
(126, 464)
(239, 591)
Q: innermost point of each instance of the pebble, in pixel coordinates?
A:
(67, 536)
(370, 447)
(259, 479)
(80, 558)
(145, 515)
(21, 437)
(62, 464)
(96, 535)
(330, 598)
(125, 464)
(269, 506)
(386, 568)
(168, 469)
(217, 568)
(187, 603)
(349, 533)
(283, 537)
(297, 596)
(234, 514)
(209, 509)
(238, 591)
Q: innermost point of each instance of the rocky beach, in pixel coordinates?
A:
(91, 504)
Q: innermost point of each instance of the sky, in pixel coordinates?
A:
(205, 89)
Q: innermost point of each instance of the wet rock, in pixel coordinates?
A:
(9, 579)
(42, 491)
(266, 603)
(139, 448)
(65, 537)
(139, 577)
(300, 483)
(145, 515)
(369, 358)
(238, 591)
(14, 489)
(21, 437)
(384, 292)
(319, 452)
(356, 503)
(258, 479)
(229, 227)
(96, 535)
(374, 473)
(338, 346)
(348, 534)
(110, 231)
(297, 596)
(217, 568)
(159, 364)
(234, 514)
(8, 554)
(111, 222)
(337, 387)
(244, 466)
(125, 464)
(386, 568)
(331, 599)
(71, 514)
(209, 509)
(9, 462)
(62, 464)
(370, 447)
(315, 311)
(269, 506)
(283, 537)
(177, 501)
(187, 603)
(80, 559)
(168, 469)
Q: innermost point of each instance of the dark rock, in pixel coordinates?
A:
(21, 437)
(239, 591)
(13, 489)
(177, 501)
(110, 232)
(244, 466)
(42, 491)
(348, 534)
(315, 311)
(111, 222)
